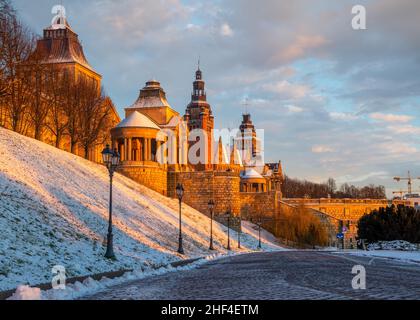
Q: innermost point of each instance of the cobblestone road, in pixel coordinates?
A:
(277, 276)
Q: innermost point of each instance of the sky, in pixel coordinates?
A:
(333, 101)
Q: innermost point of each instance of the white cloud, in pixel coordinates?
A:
(299, 47)
(322, 149)
(295, 91)
(364, 177)
(405, 129)
(345, 116)
(389, 117)
(294, 109)
(226, 30)
(398, 148)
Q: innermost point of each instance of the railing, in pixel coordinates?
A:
(334, 201)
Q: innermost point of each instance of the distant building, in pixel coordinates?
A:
(234, 186)
(60, 48)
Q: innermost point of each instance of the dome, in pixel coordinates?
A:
(153, 84)
(251, 174)
(138, 120)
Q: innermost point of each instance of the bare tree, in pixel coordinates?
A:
(56, 89)
(39, 104)
(17, 43)
(72, 93)
(95, 109)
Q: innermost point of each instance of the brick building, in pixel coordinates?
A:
(154, 146)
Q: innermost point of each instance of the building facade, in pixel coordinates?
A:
(154, 144)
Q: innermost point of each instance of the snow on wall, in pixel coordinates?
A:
(54, 211)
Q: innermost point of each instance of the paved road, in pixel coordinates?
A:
(277, 276)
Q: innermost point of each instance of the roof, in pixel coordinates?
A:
(138, 120)
(151, 96)
(250, 174)
(61, 46)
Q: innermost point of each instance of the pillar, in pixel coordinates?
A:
(125, 149)
(149, 149)
(130, 149)
(122, 152)
(138, 150)
(146, 149)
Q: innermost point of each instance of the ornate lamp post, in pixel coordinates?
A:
(180, 194)
(111, 160)
(211, 207)
(259, 234)
(239, 231)
(228, 219)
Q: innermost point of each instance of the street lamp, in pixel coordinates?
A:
(180, 194)
(111, 160)
(228, 219)
(239, 232)
(259, 234)
(211, 207)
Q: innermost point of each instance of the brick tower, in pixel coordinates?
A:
(199, 115)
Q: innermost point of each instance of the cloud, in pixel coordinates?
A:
(226, 30)
(299, 47)
(405, 130)
(345, 116)
(364, 177)
(294, 109)
(287, 89)
(388, 117)
(287, 55)
(322, 149)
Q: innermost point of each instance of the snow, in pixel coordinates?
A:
(26, 293)
(150, 102)
(250, 173)
(393, 245)
(54, 211)
(404, 256)
(138, 120)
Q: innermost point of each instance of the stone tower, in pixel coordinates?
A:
(199, 115)
(60, 46)
(247, 142)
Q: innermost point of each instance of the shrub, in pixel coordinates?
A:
(391, 223)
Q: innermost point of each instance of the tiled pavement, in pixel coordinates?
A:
(290, 275)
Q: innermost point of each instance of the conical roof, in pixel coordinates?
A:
(250, 173)
(138, 120)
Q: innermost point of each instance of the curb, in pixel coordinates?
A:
(4, 295)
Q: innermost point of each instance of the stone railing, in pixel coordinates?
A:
(326, 201)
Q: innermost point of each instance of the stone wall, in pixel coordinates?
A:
(339, 213)
(152, 177)
(255, 205)
(200, 187)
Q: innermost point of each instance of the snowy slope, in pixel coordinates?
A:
(54, 209)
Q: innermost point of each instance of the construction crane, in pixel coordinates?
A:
(401, 193)
(409, 181)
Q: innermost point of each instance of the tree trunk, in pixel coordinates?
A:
(86, 149)
(73, 146)
(58, 141)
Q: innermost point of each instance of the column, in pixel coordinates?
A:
(122, 152)
(145, 149)
(138, 150)
(130, 149)
(150, 149)
(158, 151)
(125, 149)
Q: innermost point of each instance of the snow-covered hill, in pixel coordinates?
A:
(54, 209)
